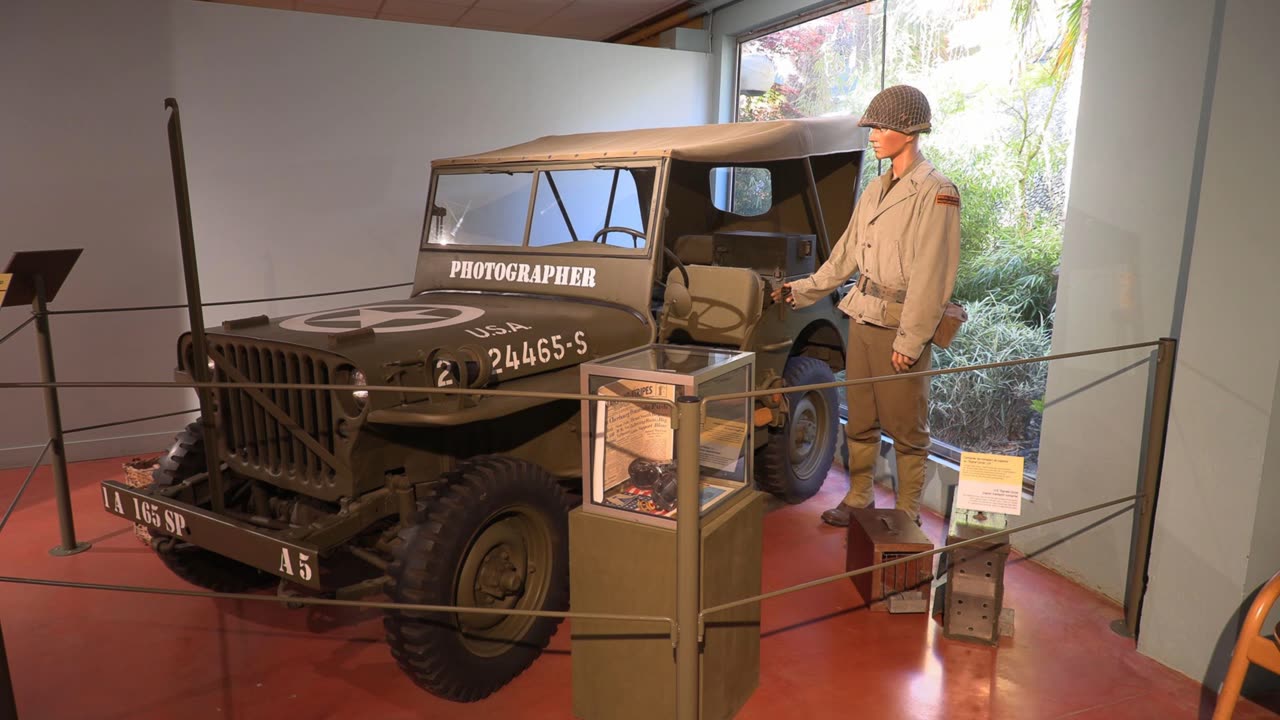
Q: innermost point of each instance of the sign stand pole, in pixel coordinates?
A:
(36, 278)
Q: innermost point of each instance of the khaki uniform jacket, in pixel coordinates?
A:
(911, 240)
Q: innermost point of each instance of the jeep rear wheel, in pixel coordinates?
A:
(191, 563)
(496, 537)
(795, 461)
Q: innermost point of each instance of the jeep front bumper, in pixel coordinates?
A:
(230, 538)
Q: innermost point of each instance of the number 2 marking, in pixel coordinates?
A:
(443, 379)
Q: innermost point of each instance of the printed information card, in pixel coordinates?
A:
(990, 483)
(721, 443)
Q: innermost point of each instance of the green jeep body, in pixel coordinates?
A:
(533, 260)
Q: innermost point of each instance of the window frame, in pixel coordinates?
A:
(534, 170)
(730, 182)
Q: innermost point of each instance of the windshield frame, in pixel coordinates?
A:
(535, 170)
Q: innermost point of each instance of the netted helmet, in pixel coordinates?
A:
(901, 107)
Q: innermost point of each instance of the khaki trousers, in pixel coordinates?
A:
(898, 408)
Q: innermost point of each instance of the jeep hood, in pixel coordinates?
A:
(516, 334)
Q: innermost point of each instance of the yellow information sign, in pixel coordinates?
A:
(4, 285)
(990, 483)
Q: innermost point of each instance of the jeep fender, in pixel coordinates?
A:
(823, 340)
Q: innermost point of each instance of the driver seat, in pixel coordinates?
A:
(727, 305)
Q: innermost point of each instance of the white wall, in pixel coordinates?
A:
(82, 146)
(308, 142)
(1218, 505)
(1131, 186)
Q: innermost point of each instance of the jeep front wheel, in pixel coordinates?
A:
(795, 461)
(495, 536)
(198, 566)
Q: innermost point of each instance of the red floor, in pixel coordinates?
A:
(96, 654)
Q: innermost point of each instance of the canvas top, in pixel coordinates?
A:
(749, 142)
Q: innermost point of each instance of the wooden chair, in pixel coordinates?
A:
(1251, 647)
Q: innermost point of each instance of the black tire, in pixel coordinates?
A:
(184, 459)
(489, 506)
(795, 461)
(192, 563)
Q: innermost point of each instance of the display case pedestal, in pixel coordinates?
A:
(624, 670)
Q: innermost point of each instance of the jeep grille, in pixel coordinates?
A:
(253, 440)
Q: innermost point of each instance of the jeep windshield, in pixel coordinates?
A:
(567, 208)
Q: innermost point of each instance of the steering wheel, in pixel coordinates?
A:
(637, 235)
(604, 231)
(679, 266)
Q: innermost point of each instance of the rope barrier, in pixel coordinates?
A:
(142, 308)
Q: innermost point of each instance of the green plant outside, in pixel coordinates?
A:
(1003, 127)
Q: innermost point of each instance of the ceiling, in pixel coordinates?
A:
(581, 19)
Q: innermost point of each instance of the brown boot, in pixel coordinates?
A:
(838, 516)
(862, 463)
(911, 478)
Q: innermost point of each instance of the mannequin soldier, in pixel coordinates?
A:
(904, 240)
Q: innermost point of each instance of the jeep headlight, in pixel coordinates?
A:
(360, 396)
(352, 402)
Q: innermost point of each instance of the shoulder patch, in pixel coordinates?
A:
(952, 200)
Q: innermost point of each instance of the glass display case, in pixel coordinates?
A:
(629, 466)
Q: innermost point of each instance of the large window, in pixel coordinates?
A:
(1003, 80)
(479, 209)
(577, 209)
(577, 205)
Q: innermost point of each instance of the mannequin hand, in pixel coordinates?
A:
(902, 363)
(784, 292)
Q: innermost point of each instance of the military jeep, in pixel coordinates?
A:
(533, 259)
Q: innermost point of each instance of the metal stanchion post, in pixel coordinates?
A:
(53, 415)
(688, 556)
(200, 370)
(8, 704)
(1153, 460)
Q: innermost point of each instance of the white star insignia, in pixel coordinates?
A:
(384, 318)
(373, 317)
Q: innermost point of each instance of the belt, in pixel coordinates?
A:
(876, 290)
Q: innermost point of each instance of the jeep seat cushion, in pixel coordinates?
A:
(727, 302)
(695, 250)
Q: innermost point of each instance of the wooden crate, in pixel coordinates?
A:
(877, 536)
